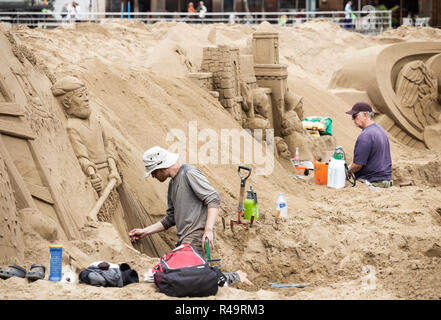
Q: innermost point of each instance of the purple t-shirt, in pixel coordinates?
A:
(372, 151)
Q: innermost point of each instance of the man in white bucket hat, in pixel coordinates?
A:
(193, 204)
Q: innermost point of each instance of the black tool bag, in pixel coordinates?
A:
(191, 276)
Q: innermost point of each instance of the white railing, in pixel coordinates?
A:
(364, 21)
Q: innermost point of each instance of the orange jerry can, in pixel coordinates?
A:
(321, 173)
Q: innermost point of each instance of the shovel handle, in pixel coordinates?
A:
(207, 248)
(242, 178)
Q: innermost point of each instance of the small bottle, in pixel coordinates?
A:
(56, 261)
(297, 157)
(281, 207)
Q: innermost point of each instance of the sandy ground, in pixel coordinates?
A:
(352, 243)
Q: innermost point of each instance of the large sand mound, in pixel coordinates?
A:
(136, 76)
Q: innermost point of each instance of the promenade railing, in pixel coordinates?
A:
(359, 21)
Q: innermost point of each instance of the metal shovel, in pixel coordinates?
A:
(243, 180)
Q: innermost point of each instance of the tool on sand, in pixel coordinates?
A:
(290, 285)
(243, 180)
(216, 263)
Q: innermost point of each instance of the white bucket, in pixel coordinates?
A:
(336, 174)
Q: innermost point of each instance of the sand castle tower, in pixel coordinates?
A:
(224, 65)
(269, 73)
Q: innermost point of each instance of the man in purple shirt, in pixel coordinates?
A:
(372, 161)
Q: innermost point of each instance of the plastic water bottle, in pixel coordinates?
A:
(282, 206)
(55, 262)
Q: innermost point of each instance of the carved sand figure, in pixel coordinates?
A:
(85, 133)
(417, 90)
(294, 102)
(282, 148)
(265, 99)
(90, 145)
(292, 130)
(247, 102)
(259, 112)
(261, 103)
(401, 82)
(96, 160)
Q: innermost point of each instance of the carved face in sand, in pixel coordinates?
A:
(261, 103)
(74, 97)
(79, 104)
(282, 149)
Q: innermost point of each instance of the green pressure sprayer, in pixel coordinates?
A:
(251, 207)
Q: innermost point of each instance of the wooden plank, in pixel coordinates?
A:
(11, 109)
(22, 194)
(64, 217)
(16, 129)
(40, 192)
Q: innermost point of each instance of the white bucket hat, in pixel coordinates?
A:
(158, 158)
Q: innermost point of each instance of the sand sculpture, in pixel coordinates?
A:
(26, 183)
(40, 186)
(88, 139)
(253, 88)
(402, 82)
(282, 148)
(98, 162)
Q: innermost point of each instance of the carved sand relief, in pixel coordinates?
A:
(29, 179)
(253, 89)
(402, 82)
(97, 160)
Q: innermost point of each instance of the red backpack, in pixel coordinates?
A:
(185, 273)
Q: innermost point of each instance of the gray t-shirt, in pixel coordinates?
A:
(189, 196)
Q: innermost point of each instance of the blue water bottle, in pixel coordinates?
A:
(56, 262)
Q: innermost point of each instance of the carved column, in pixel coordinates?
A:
(269, 73)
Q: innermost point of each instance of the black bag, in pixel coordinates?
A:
(192, 277)
(104, 276)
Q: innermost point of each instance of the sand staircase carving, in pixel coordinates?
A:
(402, 83)
(30, 180)
(390, 126)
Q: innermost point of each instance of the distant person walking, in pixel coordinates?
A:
(65, 12)
(191, 10)
(283, 20)
(72, 11)
(202, 9)
(348, 15)
(75, 12)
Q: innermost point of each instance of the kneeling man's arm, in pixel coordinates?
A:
(354, 167)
